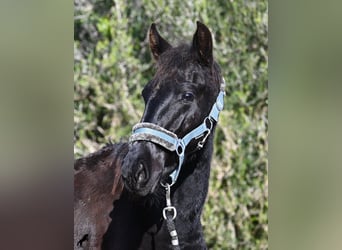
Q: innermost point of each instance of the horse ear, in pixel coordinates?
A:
(202, 44)
(158, 44)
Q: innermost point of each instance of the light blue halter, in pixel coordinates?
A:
(151, 132)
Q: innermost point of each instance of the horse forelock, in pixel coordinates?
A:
(179, 62)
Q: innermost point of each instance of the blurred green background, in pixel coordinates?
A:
(112, 63)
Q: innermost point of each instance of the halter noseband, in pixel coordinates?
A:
(151, 132)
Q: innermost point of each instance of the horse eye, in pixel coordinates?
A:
(188, 96)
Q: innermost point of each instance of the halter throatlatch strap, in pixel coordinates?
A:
(151, 132)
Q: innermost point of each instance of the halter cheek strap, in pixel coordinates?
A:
(151, 132)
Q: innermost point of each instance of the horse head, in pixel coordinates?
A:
(178, 99)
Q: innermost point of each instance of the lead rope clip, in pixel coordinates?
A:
(169, 208)
(169, 214)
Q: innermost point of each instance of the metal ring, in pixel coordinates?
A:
(172, 208)
(210, 122)
(180, 148)
(166, 183)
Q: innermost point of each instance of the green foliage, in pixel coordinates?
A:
(113, 63)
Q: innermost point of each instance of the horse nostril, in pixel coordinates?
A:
(141, 173)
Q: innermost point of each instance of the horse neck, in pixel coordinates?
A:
(190, 191)
(188, 197)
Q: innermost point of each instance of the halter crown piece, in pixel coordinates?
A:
(151, 132)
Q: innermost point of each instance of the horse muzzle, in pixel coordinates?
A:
(142, 169)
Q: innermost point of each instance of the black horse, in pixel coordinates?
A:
(182, 96)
